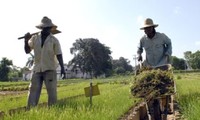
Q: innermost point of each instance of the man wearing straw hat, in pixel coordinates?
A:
(157, 45)
(47, 51)
(158, 49)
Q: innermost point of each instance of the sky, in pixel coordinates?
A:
(115, 23)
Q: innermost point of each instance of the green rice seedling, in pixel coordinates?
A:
(112, 102)
(188, 95)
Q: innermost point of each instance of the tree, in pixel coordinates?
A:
(91, 56)
(122, 65)
(15, 73)
(178, 63)
(5, 69)
(119, 70)
(187, 55)
(195, 60)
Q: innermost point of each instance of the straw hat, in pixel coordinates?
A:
(148, 23)
(46, 22)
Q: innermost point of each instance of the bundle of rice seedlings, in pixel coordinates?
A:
(151, 83)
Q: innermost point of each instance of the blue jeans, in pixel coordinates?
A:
(35, 87)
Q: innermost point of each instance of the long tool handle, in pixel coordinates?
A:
(54, 31)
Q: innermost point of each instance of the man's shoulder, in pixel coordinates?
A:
(161, 34)
(163, 37)
(52, 37)
(35, 37)
(143, 37)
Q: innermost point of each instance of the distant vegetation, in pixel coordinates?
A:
(95, 58)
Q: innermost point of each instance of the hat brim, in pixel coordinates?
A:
(41, 26)
(55, 31)
(154, 25)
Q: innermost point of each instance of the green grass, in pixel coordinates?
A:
(112, 102)
(188, 95)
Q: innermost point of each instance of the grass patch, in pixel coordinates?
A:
(109, 105)
(188, 95)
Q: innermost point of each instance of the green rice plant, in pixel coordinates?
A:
(112, 102)
(9, 102)
(71, 88)
(188, 95)
(178, 77)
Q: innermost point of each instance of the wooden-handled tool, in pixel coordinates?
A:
(53, 31)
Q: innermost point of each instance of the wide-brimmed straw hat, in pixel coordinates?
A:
(148, 23)
(46, 22)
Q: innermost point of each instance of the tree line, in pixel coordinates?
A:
(190, 61)
(93, 57)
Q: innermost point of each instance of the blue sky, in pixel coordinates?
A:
(115, 23)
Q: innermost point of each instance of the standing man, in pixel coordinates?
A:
(158, 49)
(157, 45)
(47, 51)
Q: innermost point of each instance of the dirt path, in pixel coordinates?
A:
(2, 93)
(139, 112)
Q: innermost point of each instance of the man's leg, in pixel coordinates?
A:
(35, 89)
(51, 86)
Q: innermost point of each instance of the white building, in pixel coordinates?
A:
(69, 73)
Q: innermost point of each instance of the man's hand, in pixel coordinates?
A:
(27, 48)
(140, 58)
(60, 60)
(27, 36)
(63, 73)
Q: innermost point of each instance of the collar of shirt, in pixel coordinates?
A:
(154, 37)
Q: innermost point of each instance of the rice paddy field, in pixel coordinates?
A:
(188, 94)
(114, 99)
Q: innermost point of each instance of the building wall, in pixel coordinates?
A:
(68, 73)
